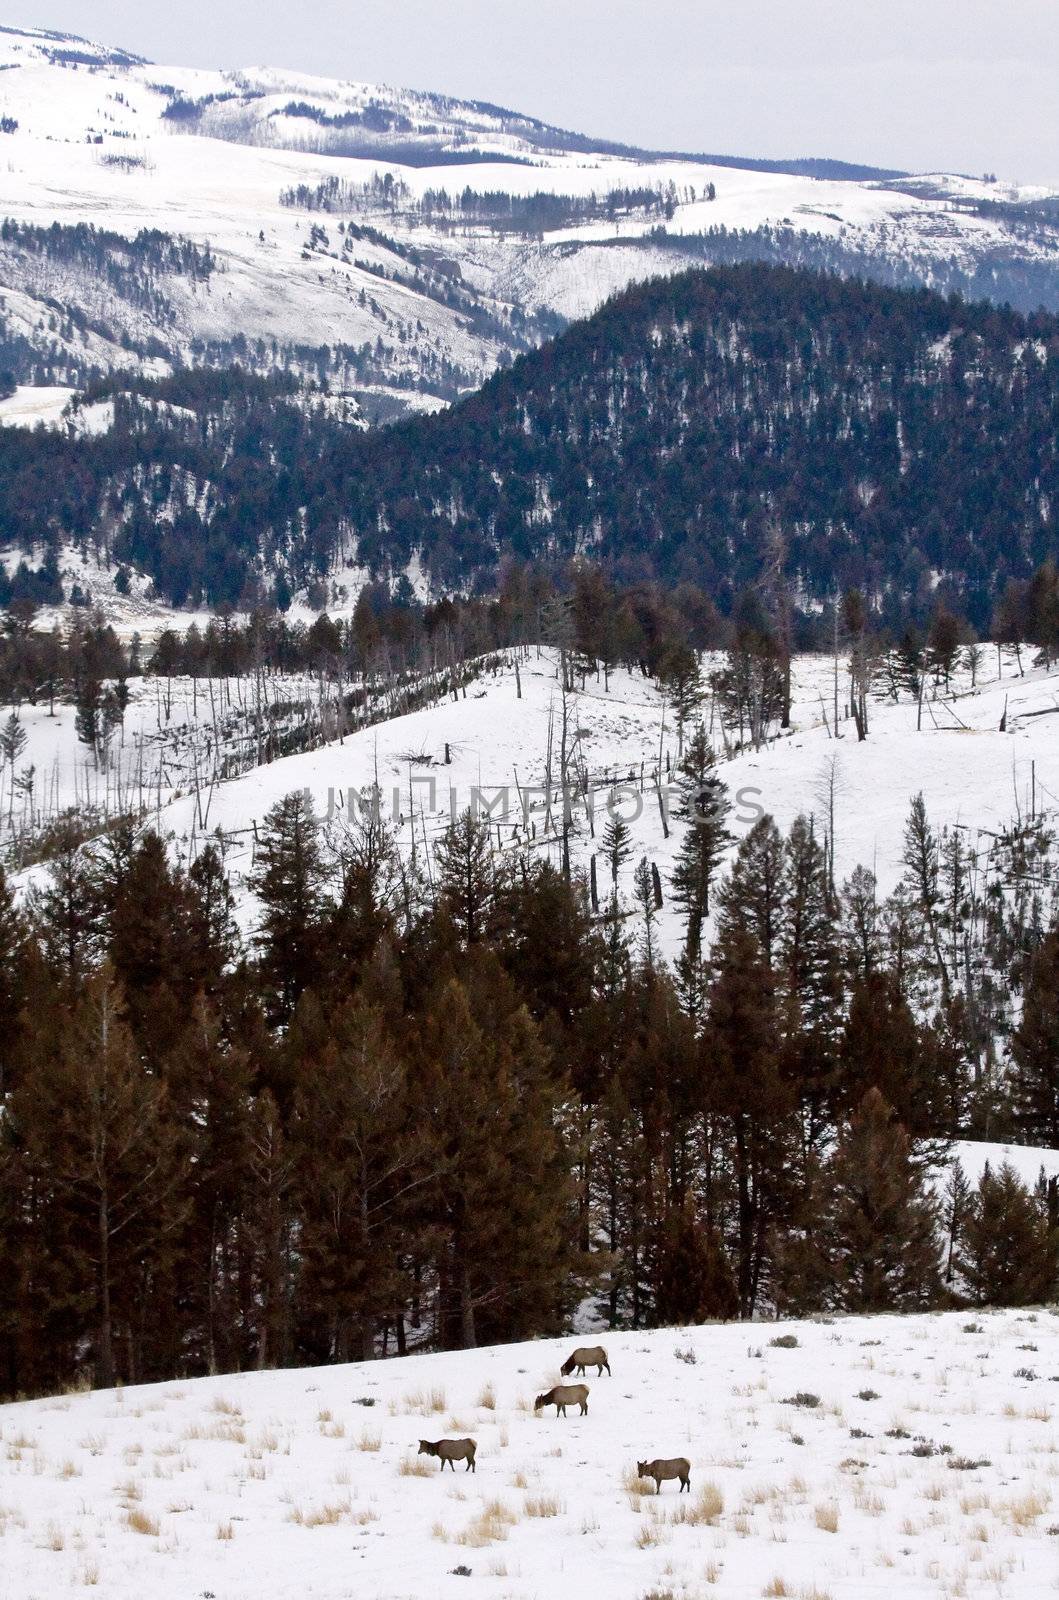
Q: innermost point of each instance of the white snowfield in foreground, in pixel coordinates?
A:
(929, 1466)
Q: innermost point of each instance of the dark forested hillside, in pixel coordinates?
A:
(700, 427)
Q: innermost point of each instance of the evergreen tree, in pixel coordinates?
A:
(501, 1201)
(744, 1088)
(880, 1229)
(1035, 1049)
(752, 899)
(467, 878)
(707, 806)
(617, 845)
(289, 879)
(13, 957)
(811, 977)
(95, 1123)
(691, 1279)
(1008, 1254)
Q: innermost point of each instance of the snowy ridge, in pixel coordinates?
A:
(98, 137)
(855, 1458)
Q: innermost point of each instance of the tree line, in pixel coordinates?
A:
(435, 1100)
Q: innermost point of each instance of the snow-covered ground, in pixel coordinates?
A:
(970, 773)
(876, 1457)
(92, 143)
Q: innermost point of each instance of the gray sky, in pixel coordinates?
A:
(970, 85)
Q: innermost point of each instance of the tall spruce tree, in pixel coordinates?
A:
(879, 1231)
(706, 806)
(289, 879)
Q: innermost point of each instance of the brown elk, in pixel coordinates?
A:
(450, 1450)
(676, 1467)
(586, 1355)
(563, 1395)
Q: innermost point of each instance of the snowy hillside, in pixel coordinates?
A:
(840, 1459)
(182, 742)
(338, 237)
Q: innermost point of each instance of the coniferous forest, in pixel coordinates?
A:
(703, 428)
(427, 1111)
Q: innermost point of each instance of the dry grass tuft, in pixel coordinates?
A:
(777, 1589)
(417, 1403)
(489, 1526)
(487, 1398)
(701, 1508)
(1024, 1511)
(544, 1505)
(139, 1521)
(369, 1441)
(415, 1467)
(225, 1531)
(321, 1516)
(649, 1535)
(866, 1500)
(826, 1518)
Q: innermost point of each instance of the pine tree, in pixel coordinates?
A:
(691, 1278)
(67, 913)
(270, 1182)
(13, 956)
(752, 898)
(744, 1088)
(862, 934)
(881, 1049)
(617, 845)
(880, 1229)
(1035, 1049)
(647, 899)
(811, 977)
(96, 1125)
(706, 805)
(502, 1201)
(360, 1162)
(289, 878)
(922, 881)
(88, 715)
(212, 929)
(467, 878)
(1008, 1251)
(208, 1081)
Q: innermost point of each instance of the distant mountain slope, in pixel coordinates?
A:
(694, 428)
(403, 244)
(885, 438)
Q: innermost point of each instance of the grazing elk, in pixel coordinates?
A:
(586, 1355)
(677, 1467)
(450, 1450)
(563, 1395)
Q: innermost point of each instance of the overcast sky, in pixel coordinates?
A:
(967, 85)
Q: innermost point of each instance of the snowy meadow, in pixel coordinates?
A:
(830, 1460)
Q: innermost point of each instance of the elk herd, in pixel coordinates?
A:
(560, 1396)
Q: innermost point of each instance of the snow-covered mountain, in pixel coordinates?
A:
(399, 244)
